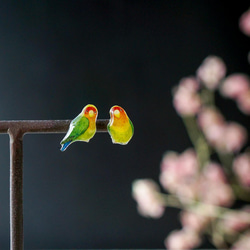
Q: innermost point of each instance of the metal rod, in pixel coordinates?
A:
(16, 190)
(45, 126)
(16, 131)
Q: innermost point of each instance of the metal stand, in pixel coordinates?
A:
(16, 131)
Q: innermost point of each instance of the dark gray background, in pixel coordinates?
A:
(58, 56)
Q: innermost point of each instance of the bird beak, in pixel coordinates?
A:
(91, 113)
(117, 113)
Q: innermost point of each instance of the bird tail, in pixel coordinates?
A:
(65, 145)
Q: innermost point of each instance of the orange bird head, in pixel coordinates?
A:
(117, 112)
(90, 111)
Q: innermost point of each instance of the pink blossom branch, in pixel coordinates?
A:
(198, 207)
(207, 97)
(201, 147)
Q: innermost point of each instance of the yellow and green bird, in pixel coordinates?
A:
(120, 127)
(82, 128)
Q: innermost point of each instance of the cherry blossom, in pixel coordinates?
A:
(182, 239)
(241, 167)
(235, 85)
(211, 71)
(186, 100)
(244, 23)
(244, 102)
(145, 192)
(177, 170)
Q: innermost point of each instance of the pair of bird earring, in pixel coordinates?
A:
(83, 127)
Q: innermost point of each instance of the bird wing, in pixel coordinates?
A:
(132, 126)
(77, 127)
(108, 127)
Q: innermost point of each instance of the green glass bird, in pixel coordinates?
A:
(82, 128)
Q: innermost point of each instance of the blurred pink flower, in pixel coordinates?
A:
(236, 220)
(235, 137)
(186, 100)
(215, 135)
(226, 137)
(218, 194)
(241, 167)
(188, 164)
(244, 22)
(182, 240)
(208, 117)
(178, 169)
(243, 242)
(214, 173)
(235, 85)
(194, 221)
(211, 71)
(146, 194)
(213, 126)
(169, 171)
(244, 102)
(189, 84)
(213, 186)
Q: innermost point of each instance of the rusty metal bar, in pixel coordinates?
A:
(45, 126)
(16, 189)
(16, 131)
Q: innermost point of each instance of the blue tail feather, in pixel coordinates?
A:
(64, 146)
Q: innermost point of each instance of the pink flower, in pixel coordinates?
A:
(241, 167)
(213, 126)
(188, 164)
(178, 169)
(211, 71)
(189, 84)
(244, 23)
(186, 100)
(169, 171)
(225, 137)
(218, 194)
(209, 117)
(182, 240)
(244, 102)
(145, 192)
(213, 186)
(193, 221)
(243, 242)
(214, 173)
(235, 137)
(235, 85)
(215, 135)
(236, 221)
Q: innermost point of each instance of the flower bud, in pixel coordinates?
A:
(211, 71)
(244, 102)
(241, 167)
(145, 192)
(235, 85)
(186, 100)
(182, 239)
(244, 23)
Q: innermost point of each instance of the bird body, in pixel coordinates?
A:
(82, 128)
(120, 127)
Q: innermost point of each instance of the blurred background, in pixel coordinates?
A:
(58, 56)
